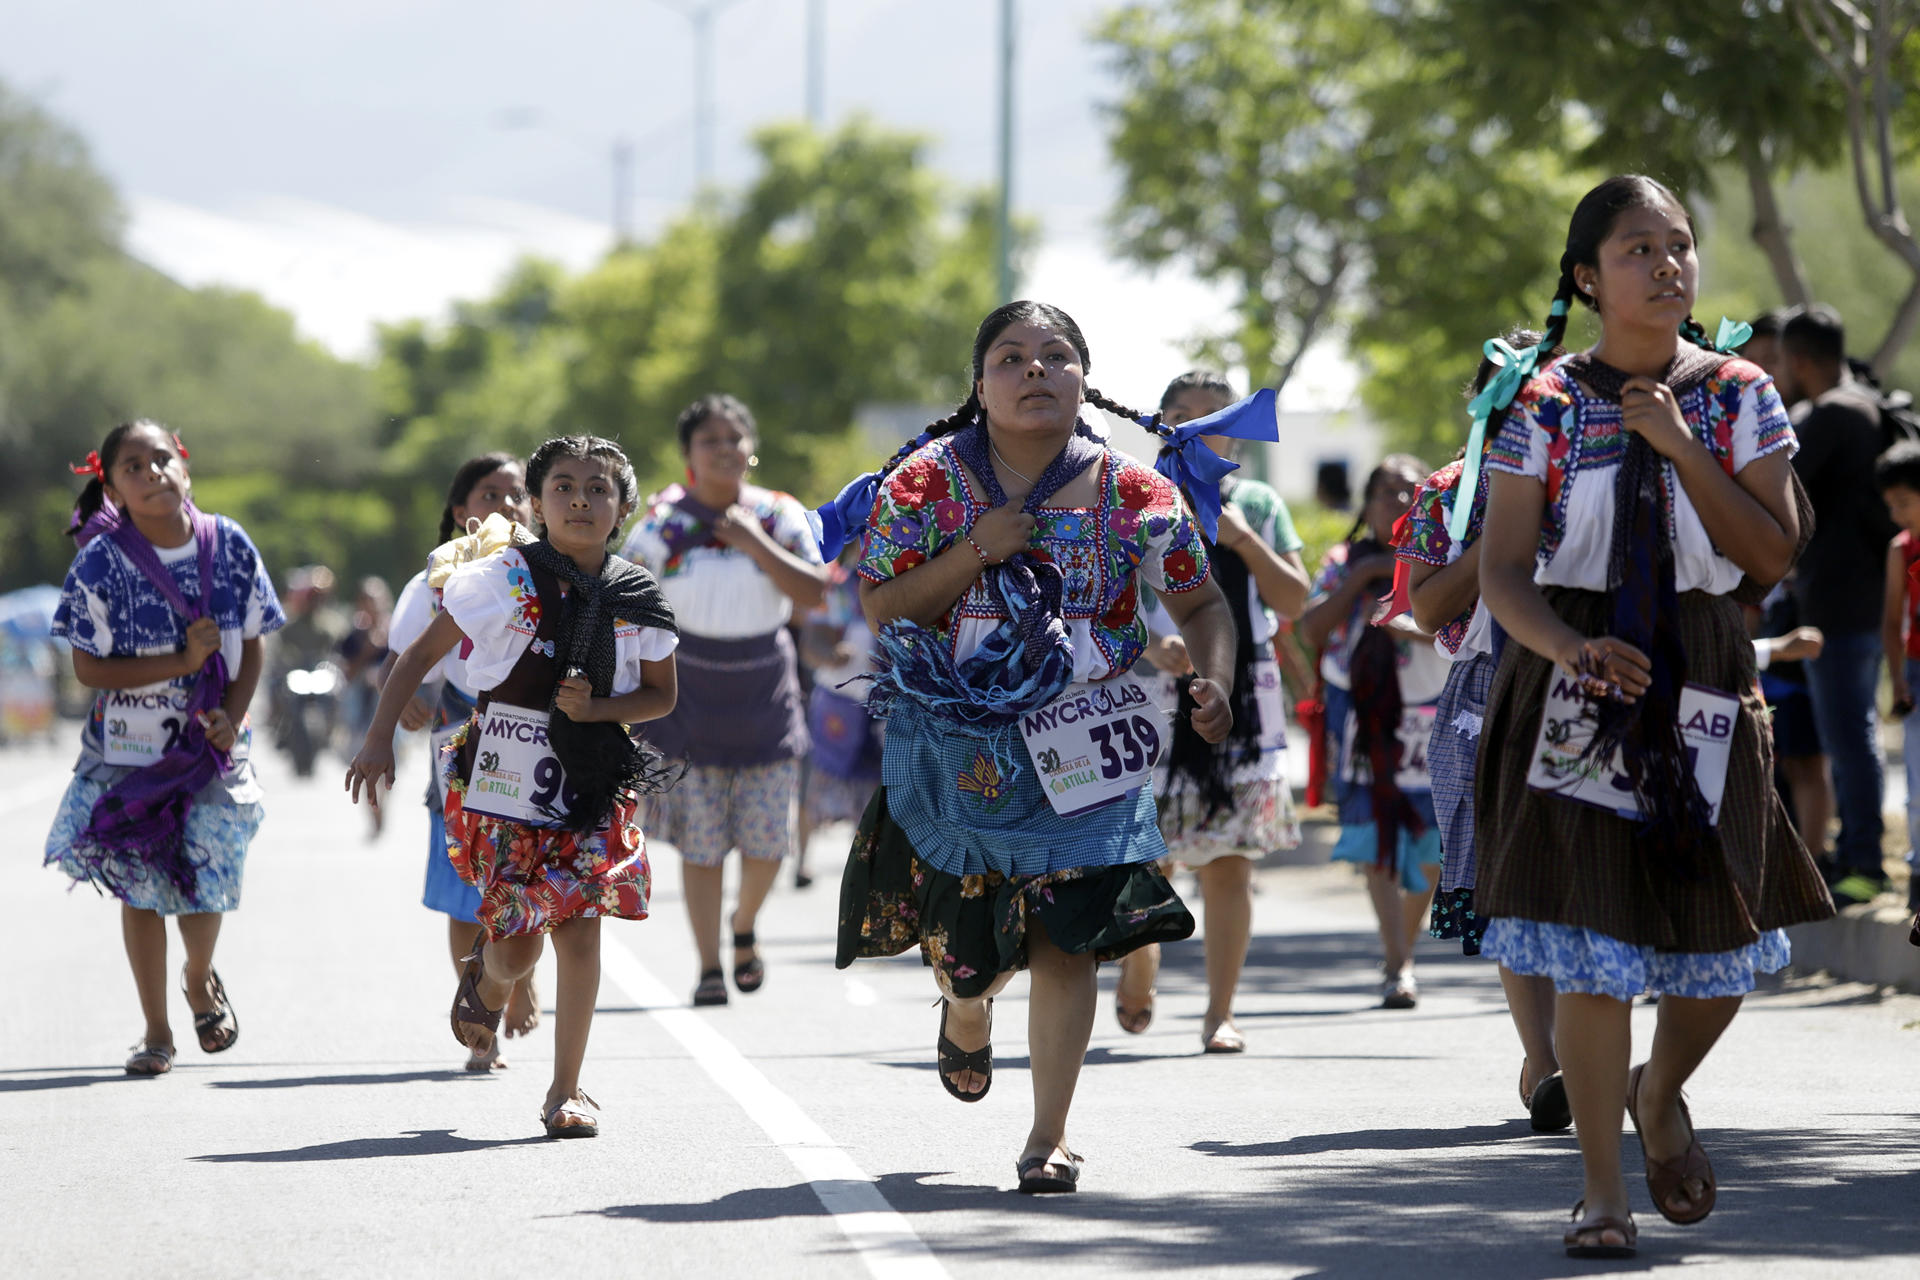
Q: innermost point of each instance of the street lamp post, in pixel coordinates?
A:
(701, 16)
(1004, 232)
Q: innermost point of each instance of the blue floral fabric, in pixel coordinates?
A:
(1593, 963)
(217, 837)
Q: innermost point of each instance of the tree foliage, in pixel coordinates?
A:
(844, 275)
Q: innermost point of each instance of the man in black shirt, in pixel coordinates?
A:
(1840, 581)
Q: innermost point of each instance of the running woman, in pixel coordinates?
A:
(1004, 553)
(1444, 595)
(165, 607)
(490, 484)
(1635, 485)
(569, 646)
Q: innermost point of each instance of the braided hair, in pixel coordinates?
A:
(1591, 224)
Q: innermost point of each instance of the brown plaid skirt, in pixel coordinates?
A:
(1543, 857)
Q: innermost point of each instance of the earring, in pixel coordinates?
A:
(753, 459)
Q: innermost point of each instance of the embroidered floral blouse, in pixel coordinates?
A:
(1424, 540)
(1573, 441)
(1423, 673)
(496, 604)
(1138, 530)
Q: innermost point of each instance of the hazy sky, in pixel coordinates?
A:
(357, 160)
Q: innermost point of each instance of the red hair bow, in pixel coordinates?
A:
(179, 448)
(91, 467)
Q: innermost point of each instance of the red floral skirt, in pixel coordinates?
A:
(533, 878)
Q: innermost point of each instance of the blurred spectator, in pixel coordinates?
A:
(363, 652)
(1899, 476)
(1763, 348)
(1840, 579)
(1780, 647)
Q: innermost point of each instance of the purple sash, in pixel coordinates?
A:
(145, 813)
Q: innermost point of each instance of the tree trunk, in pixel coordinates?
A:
(1770, 230)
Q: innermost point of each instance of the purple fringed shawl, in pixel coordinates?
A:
(145, 813)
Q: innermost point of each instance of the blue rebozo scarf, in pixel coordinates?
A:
(1028, 660)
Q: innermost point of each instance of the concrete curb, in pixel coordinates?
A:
(1862, 944)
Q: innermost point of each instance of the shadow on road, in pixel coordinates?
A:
(1485, 1199)
(416, 1142)
(374, 1077)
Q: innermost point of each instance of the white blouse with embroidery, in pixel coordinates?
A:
(497, 606)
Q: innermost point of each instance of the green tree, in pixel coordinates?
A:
(1317, 158)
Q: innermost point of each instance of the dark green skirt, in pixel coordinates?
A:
(974, 928)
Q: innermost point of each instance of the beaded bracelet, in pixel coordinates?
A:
(984, 562)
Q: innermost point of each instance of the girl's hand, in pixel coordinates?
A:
(1379, 565)
(416, 715)
(1607, 667)
(1169, 654)
(1003, 532)
(203, 641)
(1648, 409)
(575, 698)
(373, 767)
(1234, 529)
(1902, 697)
(738, 528)
(1212, 718)
(221, 735)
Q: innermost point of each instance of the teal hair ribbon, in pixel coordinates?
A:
(1513, 368)
(1732, 336)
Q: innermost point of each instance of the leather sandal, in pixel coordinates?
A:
(467, 1004)
(1548, 1110)
(712, 989)
(1667, 1178)
(1577, 1248)
(749, 976)
(150, 1060)
(584, 1126)
(952, 1059)
(219, 1027)
(1041, 1176)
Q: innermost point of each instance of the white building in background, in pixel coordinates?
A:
(1343, 440)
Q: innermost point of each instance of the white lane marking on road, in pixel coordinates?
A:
(878, 1232)
(859, 993)
(31, 795)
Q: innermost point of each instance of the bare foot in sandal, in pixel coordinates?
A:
(523, 1008)
(1133, 993)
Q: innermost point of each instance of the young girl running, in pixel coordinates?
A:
(569, 646)
(1444, 593)
(1381, 687)
(1224, 806)
(164, 606)
(483, 486)
(1629, 835)
(1015, 828)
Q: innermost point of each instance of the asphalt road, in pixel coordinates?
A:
(801, 1132)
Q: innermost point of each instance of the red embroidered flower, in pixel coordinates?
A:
(1124, 608)
(907, 560)
(1180, 566)
(919, 482)
(1136, 492)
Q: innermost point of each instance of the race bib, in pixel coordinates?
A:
(1094, 744)
(138, 726)
(1707, 718)
(1413, 735)
(516, 777)
(1267, 699)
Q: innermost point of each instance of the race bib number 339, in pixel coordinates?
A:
(1094, 743)
(516, 777)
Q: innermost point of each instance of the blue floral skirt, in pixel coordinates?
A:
(1592, 963)
(217, 834)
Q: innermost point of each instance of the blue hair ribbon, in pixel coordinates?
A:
(1187, 460)
(1732, 336)
(839, 522)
